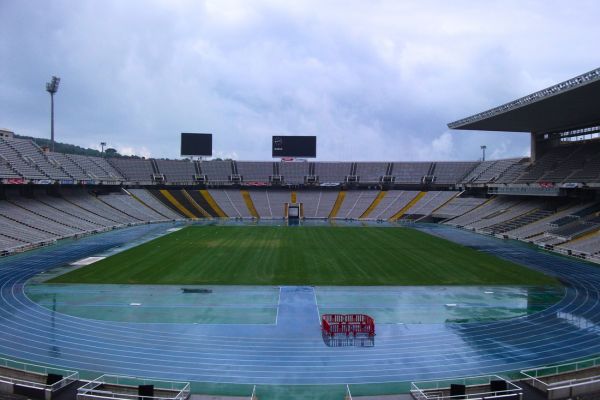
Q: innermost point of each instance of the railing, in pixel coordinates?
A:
(536, 375)
(90, 389)
(68, 376)
(435, 389)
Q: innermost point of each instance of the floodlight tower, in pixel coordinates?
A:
(483, 147)
(102, 144)
(52, 88)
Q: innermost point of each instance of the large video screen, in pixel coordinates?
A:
(196, 144)
(295, 146)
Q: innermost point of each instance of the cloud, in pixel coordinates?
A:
(374, 81)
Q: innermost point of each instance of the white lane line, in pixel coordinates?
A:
(278, 304)
(317, 305)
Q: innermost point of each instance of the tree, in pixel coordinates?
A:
(110, 152)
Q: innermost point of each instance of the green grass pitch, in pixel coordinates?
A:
(267, 255)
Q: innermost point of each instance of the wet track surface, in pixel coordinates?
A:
(292, 350)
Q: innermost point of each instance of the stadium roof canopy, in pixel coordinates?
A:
(572, 104)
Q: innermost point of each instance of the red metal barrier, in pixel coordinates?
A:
(347, 324)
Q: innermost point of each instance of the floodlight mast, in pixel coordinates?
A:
(52, 88)
(483, 147)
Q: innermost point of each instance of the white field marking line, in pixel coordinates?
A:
(278, 304)
(174, 229)
(87, 261)
(317, 304)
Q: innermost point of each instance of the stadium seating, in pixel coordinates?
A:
(148, 199)
(293, 172)
(452, 172)
(430, 202)
(491, 207)
(317, 204)
(410, 172)
(43, 219)
(23, 166)
(70, 166)
(588, 245)
(176, 171)
(130, 206)
(356, 203)
(134, 170)
(513, 172)
(392, 203)
(422, 190)
(371, 171)
(514, 209)
(490, 171)
(262, 204)
(31, 152)
(255, 171)
(458, 206)
(216, 171)
(332, 172)
(535, 228)
(95, 167)
(231, 202)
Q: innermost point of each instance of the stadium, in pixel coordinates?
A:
(229, 278)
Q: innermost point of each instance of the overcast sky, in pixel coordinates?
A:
(374, 80)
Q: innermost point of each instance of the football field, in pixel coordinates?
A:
(319, 256)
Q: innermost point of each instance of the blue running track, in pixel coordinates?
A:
(292, 350)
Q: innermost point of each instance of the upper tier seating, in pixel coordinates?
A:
(70, 166)
(410, 172)
(452, 172)
(216, 171)
(181, 171)
(133, 170)
(565, 163)
(96, 167)
(293, 172)
(6, 169)
(32, 153)
(255, 171)
(490, 171)
(513, 172)
(332, 172)
(24, 167)
(371, 171)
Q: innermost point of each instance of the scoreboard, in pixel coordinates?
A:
(294, 146)
(196, 144)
